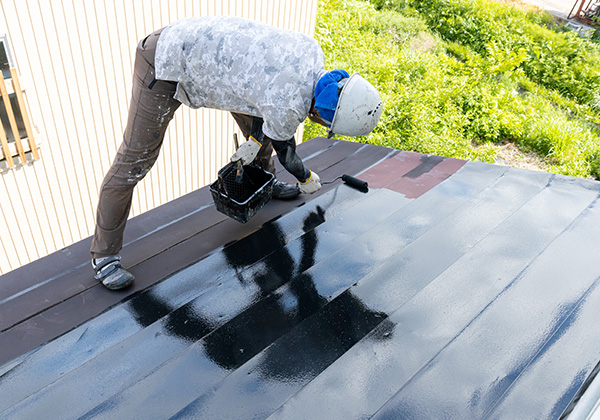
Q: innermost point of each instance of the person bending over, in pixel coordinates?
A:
(270, 80)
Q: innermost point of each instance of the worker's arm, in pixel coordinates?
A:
(249, 149)
(286, 153)
(308, 181)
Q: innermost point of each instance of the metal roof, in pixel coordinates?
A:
(450, 289)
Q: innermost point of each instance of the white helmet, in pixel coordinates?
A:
(358, 109)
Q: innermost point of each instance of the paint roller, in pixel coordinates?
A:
(353, 182)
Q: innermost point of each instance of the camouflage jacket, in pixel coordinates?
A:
(242, 66)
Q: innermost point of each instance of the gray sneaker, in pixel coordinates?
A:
(111, 273)
(283, 191)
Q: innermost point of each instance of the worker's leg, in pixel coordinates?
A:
(151, 109)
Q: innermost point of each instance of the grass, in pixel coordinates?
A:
(464, 78)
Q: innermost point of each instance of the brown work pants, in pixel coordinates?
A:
(151, 109)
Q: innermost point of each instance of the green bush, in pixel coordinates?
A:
(555, 59)
(461, 78)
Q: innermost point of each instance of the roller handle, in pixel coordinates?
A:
(355, 182)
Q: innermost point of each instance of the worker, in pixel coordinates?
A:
(269, 79)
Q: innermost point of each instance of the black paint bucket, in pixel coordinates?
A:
(242, 198)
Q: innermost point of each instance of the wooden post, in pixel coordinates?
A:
(23, 108)
(11, 119)
(570, 15)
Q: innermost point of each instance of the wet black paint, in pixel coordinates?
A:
(352, 306)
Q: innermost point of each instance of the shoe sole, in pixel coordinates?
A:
(286, 196)
(120, 279)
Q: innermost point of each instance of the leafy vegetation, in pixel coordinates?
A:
(462, 78)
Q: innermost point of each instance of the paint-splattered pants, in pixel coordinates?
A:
(151, 109)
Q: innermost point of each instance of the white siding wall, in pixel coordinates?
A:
(75, 60)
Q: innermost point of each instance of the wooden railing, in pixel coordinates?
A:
(9, 152)
(587, 12)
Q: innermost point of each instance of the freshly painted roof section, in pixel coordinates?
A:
(450, 289)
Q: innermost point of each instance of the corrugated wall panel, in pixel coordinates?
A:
(23, 28)
(75, 59)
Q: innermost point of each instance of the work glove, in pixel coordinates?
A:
(247, 151)
(311, 185)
